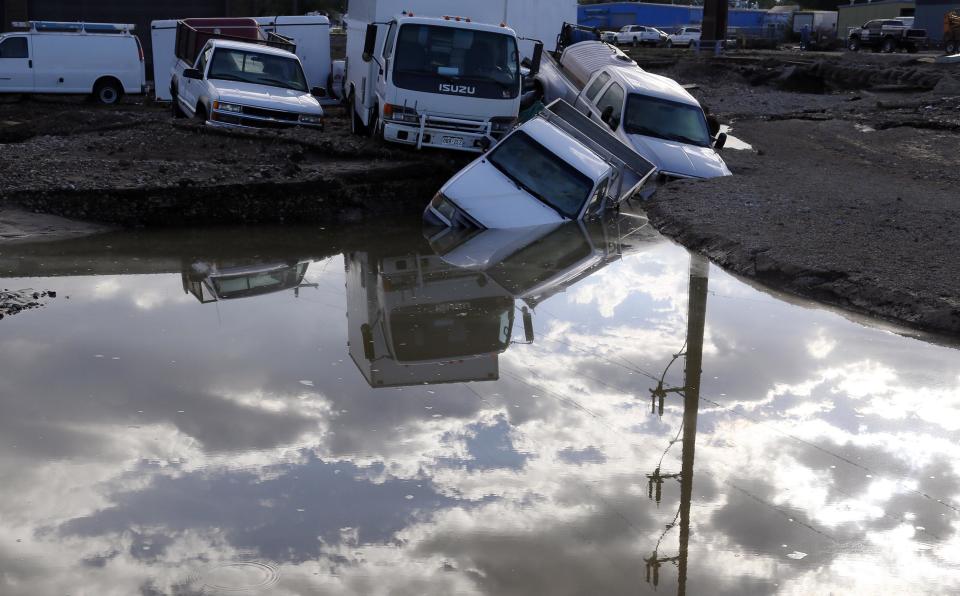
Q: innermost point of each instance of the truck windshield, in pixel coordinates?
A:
(663, 119)
(258, 69)
(457, 61)
(539, 172)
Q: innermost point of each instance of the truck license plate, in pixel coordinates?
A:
(452, 141)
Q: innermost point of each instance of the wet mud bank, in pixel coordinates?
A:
(136, 166)
(850, 194)
(825, 211)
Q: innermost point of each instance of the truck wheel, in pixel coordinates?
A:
(889, 46)
(854, 44)
(175, 110)
(670, 43)
(950, 47)
(635, 42)
(108, 91)
(201, 114)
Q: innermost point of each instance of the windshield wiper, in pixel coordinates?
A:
(283, 84)
(643, 130)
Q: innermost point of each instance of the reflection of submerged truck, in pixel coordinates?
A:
(414, 319)
(419, 318)
(214, 281)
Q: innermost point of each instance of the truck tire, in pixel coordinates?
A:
(107, 91)
(201, 114)
(951, 46)
(889, 45)
(636, 42)
(853, 44)
(670, 43)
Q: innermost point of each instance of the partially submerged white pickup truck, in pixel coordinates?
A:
(234, 81)
(653, 114)
(559, 166)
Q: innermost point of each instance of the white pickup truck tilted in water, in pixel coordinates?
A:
(653, 114)
(556, 167)
(241, 82)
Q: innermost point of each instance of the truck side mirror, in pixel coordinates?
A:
(721, 141)
(192, 73)
(537, 58)
(370, 43)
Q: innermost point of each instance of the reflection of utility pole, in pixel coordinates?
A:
(696, 323)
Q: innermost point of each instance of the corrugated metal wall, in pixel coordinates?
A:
(854, 15)
(930, 16)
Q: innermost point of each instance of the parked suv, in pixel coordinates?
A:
(102, 59)
(636, 35)
(887, 35)
(684, 36)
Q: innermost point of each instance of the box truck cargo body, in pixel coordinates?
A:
(533, 19)
(311, 35)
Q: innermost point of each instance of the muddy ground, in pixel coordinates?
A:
(851, 194)
(135, 165)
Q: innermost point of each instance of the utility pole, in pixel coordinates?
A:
(713, 29)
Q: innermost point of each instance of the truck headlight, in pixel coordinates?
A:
(228, 107)
(311, 119)
(400, 114)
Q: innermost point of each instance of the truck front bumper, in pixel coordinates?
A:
(443, 133)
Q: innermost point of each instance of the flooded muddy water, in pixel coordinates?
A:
(581, 410)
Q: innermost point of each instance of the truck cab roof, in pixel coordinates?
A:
(454, 21)
(635, 79)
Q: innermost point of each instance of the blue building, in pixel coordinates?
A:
(614, 15)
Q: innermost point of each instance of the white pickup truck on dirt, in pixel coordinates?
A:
(637, 35)
(653, 114)
(557, 167)
(241, 81)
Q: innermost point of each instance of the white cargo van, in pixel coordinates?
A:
(102, 59)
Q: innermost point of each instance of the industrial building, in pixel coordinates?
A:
(614, 15)
(854, 14)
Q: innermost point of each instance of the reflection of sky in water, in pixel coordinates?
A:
(148, 439)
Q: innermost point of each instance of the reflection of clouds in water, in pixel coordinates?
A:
(532, 484)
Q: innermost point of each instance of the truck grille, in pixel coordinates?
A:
(271, 114)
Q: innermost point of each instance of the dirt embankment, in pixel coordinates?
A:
(135, 165)
(15, 302)
(851, 196)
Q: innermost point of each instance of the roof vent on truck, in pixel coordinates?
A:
(73, 27)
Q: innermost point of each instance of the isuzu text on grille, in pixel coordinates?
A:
(461, 89)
